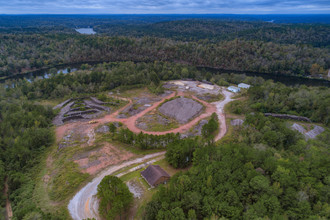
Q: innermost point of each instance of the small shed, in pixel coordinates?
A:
(234, 89)
(155, 175)
(243, 86)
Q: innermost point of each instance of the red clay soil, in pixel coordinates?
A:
(131, 121)
(63, 129)
(106, 156)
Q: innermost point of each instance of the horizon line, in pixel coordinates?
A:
(165, 14)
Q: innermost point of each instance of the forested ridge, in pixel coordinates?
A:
(312, 30)
(217, 30)
(261, 169)
(22, 53)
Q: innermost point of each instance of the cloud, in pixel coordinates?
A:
(163, 6)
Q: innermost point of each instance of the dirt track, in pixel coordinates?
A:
(9, 211)
(131, 121)
(84, 204)
(221, 114)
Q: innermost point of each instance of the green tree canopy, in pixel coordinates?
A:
(114, 196)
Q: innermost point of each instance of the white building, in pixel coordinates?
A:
(234, 89)
(243, 86)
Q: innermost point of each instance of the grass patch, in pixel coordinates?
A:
(151, 119)
(208, 97)
(67, 176)
(133, 149)
(167, 167)
(67, 180)
(237, 107)
(43, 191)
(131, 92)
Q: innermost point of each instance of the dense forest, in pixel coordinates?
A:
(313, 103)
(219, 30)
(22, 53)
(264, 170)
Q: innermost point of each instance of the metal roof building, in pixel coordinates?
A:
(234, 89)
(155, 175)
(244, 86)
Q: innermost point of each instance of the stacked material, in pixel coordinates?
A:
(312, 134)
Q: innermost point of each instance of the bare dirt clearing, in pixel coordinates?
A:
(140, 103)
(96, 160)
(84, 203)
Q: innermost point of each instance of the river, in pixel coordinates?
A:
(288, 80)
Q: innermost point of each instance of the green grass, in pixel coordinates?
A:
(129, 93)
(136, 150)
(153, 125)
(122, 146)
(41, 191)
(211, 97)
(67, 176)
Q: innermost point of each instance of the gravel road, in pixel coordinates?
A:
(84, 204)
(220, 112)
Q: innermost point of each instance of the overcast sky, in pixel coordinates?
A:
(164, 6)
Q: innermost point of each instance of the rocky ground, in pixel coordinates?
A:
(144, 101)
(80, 109)
(181, 109)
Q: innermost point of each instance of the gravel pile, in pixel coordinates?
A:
(181, 109)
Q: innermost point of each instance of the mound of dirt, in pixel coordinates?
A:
(181, 109)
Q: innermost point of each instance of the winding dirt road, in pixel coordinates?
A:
(131, 121)
(84, 204)
(221, 114)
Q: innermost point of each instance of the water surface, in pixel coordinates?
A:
(86, 30)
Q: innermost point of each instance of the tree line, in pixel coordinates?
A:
(145, 141)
